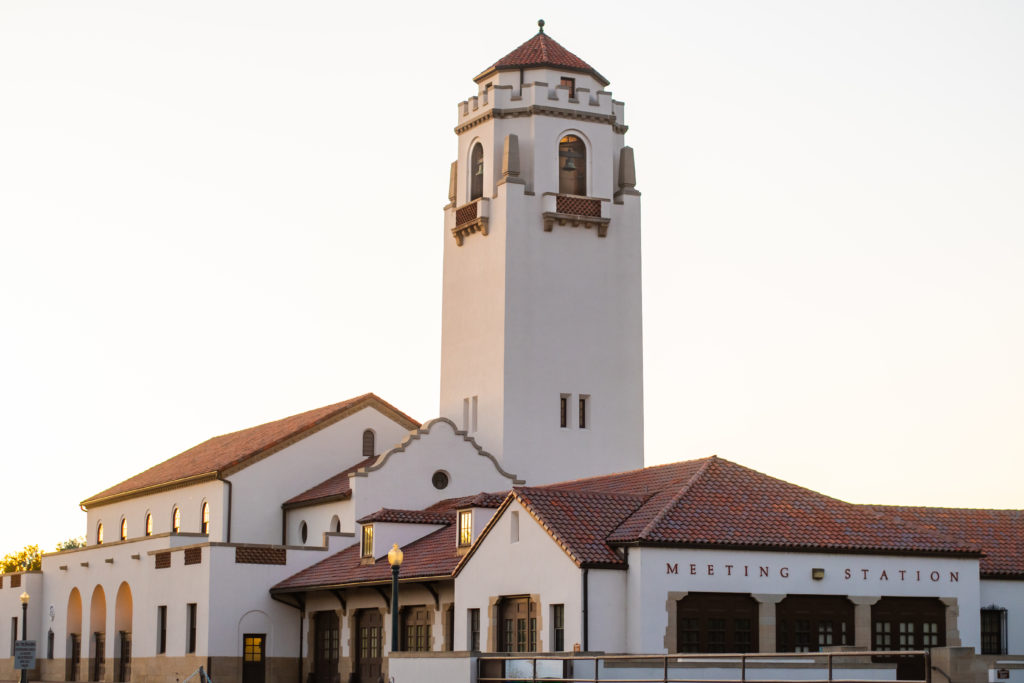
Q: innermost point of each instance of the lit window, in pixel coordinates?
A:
(369, 444)
(176, 521)
(465, 528)
(206, 518)
(149, 524)
(124, 529)
(99, 533)
(367, 547)
(572, 166)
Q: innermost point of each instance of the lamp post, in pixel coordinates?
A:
(395, 556)
(24, 629)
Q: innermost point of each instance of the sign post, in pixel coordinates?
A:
(24, 654)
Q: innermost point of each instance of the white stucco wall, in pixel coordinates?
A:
(188, 499)
(533, 565)
(261, 488)
(403, 478)
(38, 617)
(318, 520)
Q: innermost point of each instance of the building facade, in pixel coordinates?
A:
(526, 518)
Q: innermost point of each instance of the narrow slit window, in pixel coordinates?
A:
(149, 524)
(191, 613)
(514, 528)
(465, 528)
(205, 516)
(476, 169)
(583, 408)
(367, 545)
(563, 410)
(176, 521)
(124, 528)
(99, 534)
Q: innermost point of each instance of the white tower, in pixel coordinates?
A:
(541, 347)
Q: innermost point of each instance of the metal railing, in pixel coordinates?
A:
(672, 668)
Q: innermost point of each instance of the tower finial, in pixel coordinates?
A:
(540, 23)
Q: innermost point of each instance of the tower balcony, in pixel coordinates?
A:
(470, 218)
(576, 211)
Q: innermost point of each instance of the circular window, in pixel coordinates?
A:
(303, 532)
(440, 480)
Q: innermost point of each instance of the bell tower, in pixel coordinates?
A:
(541, 346)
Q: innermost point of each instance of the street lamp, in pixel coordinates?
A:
(24, 629)
(395, 556)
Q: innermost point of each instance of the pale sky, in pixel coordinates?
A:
(217, 214)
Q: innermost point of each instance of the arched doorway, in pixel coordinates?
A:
(74, 630)
(98, 639)
(123, 629)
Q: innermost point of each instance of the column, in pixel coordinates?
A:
(862, 618)
(766, 603)
(952, 622)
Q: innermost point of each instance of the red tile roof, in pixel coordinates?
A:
(409, 516)
(1000, 533)
(235, 450)
(717, 503)
(434, 555)
(540, 51)
(338, 487)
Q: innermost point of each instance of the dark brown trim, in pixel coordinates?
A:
(521, 68)
(898, 552)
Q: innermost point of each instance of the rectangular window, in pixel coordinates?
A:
(252, 647)
(558, 627)
(465, 528)
(191, 616)
(584, 405)
(564, 411)
(473, 630)
(514, 528)
(161, 629)
(14, 633)
(367, 548)
(569, 83)
(993, 631)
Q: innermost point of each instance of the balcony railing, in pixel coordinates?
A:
(471, 218)
(575, 211)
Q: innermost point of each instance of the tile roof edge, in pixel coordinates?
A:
(675, 499)
(522, 495)
(842, 550)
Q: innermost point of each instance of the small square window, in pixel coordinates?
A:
(569, 83)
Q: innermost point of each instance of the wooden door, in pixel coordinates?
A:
(99, 662)
(369, 633)
(716, 622)
(908, 624)
(326, 640)
(75, 661)
(517, 625)
(254, 658)
(124, 663)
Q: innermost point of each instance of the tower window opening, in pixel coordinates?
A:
(369, 443)
(563, 408)
(572, 166)
(476, 171)
(569, 83)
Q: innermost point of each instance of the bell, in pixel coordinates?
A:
(479, 169)
(569, 165)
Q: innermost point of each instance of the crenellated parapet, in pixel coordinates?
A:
(541, 98)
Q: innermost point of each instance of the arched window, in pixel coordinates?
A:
(205, 528)
(99, 534)
(124, 528)
(176, 521)
(572, 166)
(369, 444)
(303, 531)
(149, 524)
(335, 525)
(476, 172)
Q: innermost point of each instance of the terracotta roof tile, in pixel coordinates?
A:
(220, 453)
(409, 516)
(539, 51)
(338, 487)
(1000, 533)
